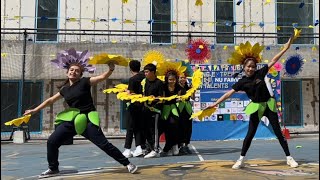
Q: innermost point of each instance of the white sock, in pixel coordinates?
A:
(241, 158)
(289, 157)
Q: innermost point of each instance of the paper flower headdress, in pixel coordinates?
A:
(70, 57)
(105, 58)
(244, 51)
(154, 57)
(164, 68)
(198, 51)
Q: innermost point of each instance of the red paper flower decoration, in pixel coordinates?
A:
(198, 51)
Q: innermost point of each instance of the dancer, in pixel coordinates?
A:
(81, 118)
(152, 87)
(185, 114)
(134, 121)
(170, 115)
(262, 104)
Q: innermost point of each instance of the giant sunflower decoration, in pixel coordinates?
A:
(154, 57)
(105, 58)
(198, 51)
(293, 65)
(164, 68)
(244, 51)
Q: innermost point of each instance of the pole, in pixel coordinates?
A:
(23, 71)
(156, 138)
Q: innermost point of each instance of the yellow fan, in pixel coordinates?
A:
(105, 58)
(18, 121)
(244, 51)
(201, 114)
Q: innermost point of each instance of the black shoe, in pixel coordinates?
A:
(163, 154)
(50, 172)
(187, 149)
(183, 151)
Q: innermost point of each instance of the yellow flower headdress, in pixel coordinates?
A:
(244, 51)
(105, 58)
(164, 68)
(154, 57)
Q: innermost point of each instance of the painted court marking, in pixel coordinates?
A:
(197, 153)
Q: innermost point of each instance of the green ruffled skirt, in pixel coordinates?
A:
(80, 120)
(253, 107)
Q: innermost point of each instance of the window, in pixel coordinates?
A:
(47, 18)
(288, 13)
(224, 19)
(161, 15)
(291, 103)
(10, 105)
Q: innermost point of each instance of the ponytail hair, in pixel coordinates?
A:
(63, 84)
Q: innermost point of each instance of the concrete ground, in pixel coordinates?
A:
(210, 160)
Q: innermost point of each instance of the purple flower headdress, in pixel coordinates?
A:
(69, 57)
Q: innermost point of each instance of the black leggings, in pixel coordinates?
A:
(134, 126)
(253, 126)
(186, 123)
(66, 130)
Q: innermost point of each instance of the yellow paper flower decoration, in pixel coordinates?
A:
(168, 98)
(273, 71)
(244, 51)
(199, 3)
(118, 88)
(202, 114)
(105, 58)
(196, 83)
(18, 121)
(124, 96)
(170, 66)
(297, 33)
(154, 57)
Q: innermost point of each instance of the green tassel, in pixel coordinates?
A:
(272, 104)
(251, 108)
(174, 110)
(165, 111)
(80, 123)
(68, 114)
(94, 118)
(189, 107)
(181, 105)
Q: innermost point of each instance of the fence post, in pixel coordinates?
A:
(23, 70)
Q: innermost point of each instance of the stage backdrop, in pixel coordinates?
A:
(229, 121)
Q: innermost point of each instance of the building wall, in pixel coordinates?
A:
(38, 66)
